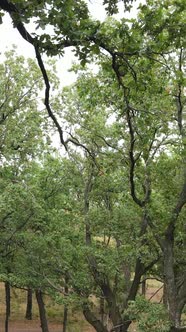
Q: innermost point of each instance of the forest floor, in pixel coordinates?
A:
(34, 326)
(76, 321)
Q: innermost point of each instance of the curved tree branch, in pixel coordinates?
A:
(10, 8)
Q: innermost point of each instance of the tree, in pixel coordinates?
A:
(73, 27)
(147, 132)
(145, 142)
(21, 141)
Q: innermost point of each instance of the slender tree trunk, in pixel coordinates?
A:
(6, 323)
(42, 312)
(65, 312)
(28, 314)
(65, 318)
(7, 300)
(170, 282)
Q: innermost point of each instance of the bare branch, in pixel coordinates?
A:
(132, 162)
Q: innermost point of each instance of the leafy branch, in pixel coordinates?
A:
(16, 18)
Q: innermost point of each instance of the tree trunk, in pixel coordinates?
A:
(65, 318)
(91, 318)
(112, 303)
(7, 300)
(170, 282)
(175, 304)
(42, 312)
(165, 301)
(28, 314)
(65, 312)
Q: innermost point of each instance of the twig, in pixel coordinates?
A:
(155, 293)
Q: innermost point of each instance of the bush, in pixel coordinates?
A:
(150, 317)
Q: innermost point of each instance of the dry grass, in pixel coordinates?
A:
(154, 290)
(18, 323)
(77, 322)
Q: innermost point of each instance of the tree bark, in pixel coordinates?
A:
(165, 302)
(65, 312)
(42, 312)
(88, 188)
(170, 282)
(28, 314)
(110, 297)
(175, 298)
(91, 318)
(7, 300)
(65, 318)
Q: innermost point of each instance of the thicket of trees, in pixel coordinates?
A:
(91, 225)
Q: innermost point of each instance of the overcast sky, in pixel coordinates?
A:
(10, 36)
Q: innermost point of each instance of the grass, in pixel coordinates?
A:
(76, 321)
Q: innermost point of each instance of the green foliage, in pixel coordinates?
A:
(97, 219)
(112, 5)
(21, 124)
(150, 316)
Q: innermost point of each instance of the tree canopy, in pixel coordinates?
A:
(110, 213)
